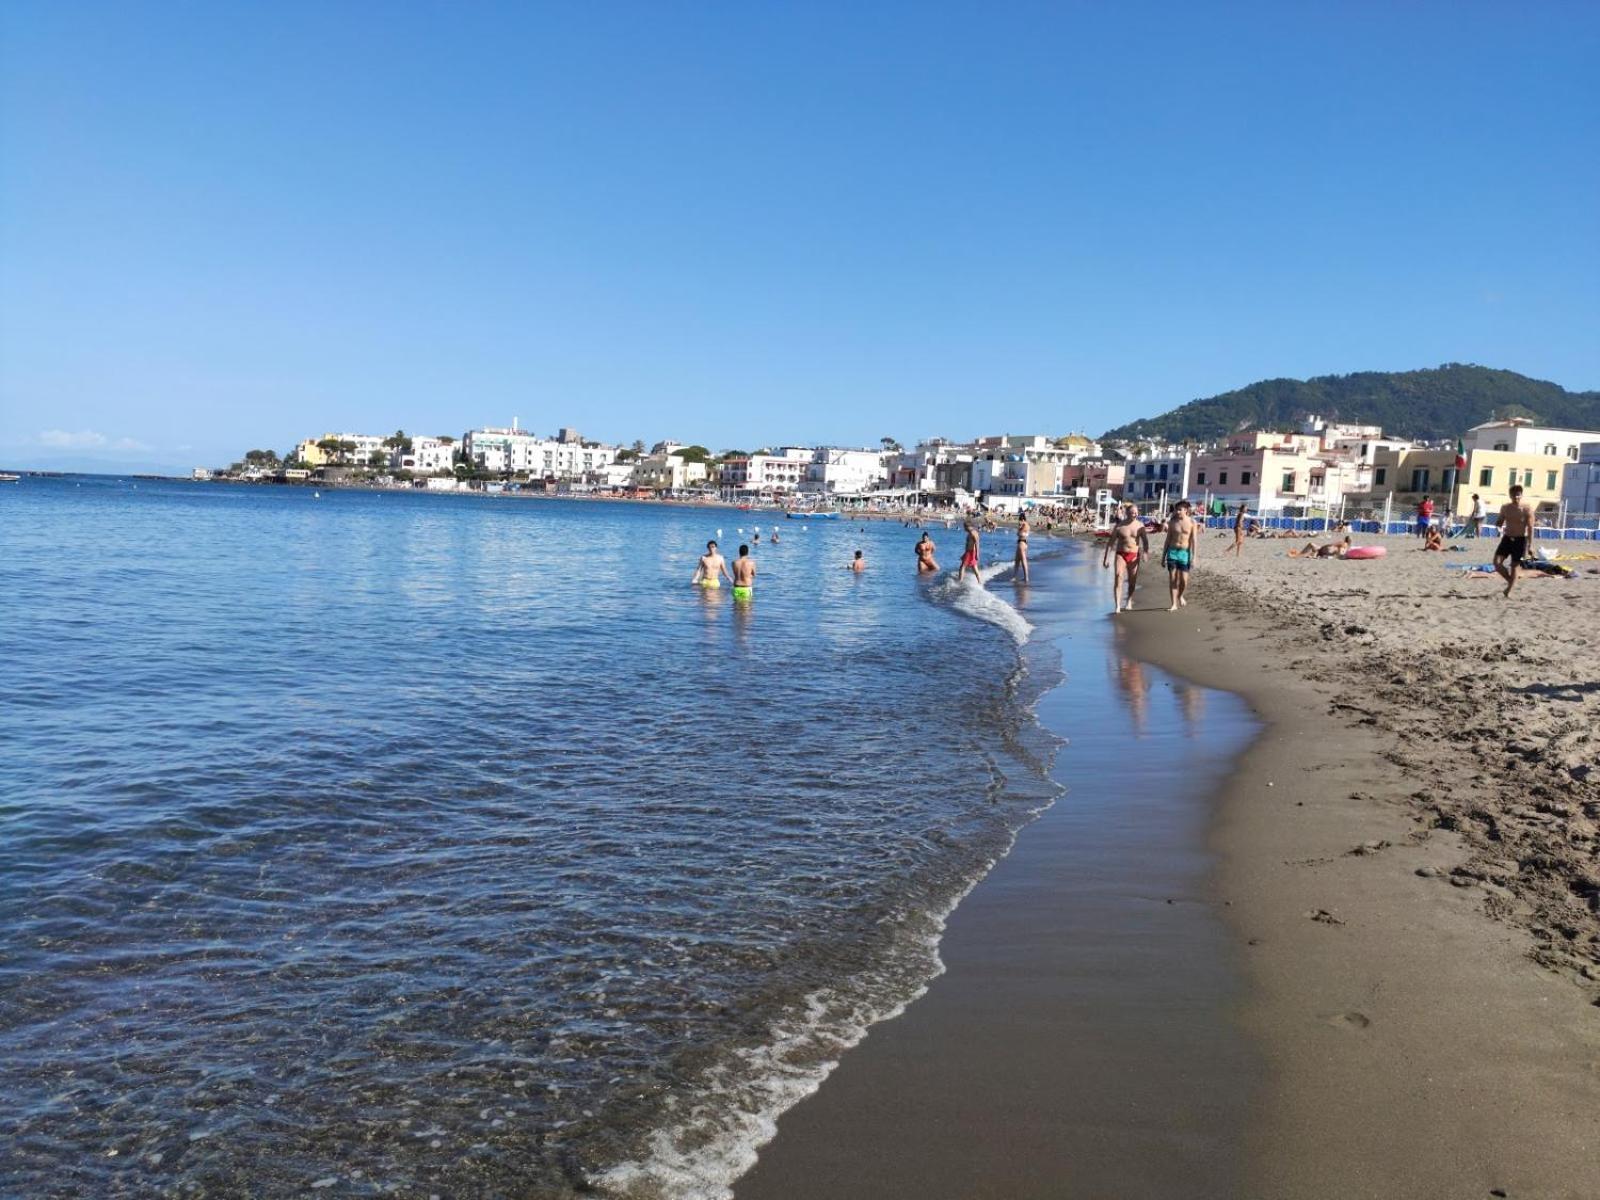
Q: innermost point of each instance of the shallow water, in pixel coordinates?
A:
(392, 842)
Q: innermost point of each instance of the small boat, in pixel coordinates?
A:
(831, 515)
(8, 477)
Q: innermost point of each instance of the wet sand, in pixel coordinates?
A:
(1405, 891)
(1427, 1023)
(1082, 1040)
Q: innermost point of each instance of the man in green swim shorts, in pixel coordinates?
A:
(744, 575)
(1178, 554)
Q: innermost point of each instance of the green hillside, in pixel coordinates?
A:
(1422, 405)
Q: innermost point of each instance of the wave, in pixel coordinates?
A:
(974, 599)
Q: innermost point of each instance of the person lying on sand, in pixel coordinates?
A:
(1326, 550)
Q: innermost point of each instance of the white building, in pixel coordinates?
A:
(427, 456)
(615, 474)
(667, 473)
(1156, 474)
(1580, 484)
(836, 472)
(773, 473)
(1519, 436)
(1017, 465)
(523, 453)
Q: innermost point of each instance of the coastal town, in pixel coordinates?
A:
(1320, 469)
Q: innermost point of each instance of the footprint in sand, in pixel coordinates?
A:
(1349, 1020)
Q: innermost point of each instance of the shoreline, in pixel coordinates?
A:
(1421, 1038)
(1081, 1035)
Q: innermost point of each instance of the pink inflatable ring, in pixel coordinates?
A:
(1366, 552)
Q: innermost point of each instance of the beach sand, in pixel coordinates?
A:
(1406, 866)
(1410, 855)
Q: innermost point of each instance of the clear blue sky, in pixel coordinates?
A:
(226, 225)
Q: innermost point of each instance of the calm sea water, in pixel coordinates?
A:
(429, 845)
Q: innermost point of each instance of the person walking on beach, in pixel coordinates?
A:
(1424, 516)
(858, 564)
(1019, 564)
(1475, 517)
(1130, 543)
(925, 563)
(1238, 532)
(1516, 528)
(969, 554)
(744, 575)
(712, 569)
(1178, 554)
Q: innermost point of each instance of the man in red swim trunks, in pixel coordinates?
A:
(1130, 544)
(969, 556)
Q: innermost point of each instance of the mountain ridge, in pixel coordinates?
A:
(1426, 405)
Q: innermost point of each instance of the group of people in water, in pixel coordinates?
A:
(1126, 548)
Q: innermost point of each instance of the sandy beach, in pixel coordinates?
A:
(1409, 854)
(1405, 867)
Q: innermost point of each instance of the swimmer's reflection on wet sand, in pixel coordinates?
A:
(1128, 674)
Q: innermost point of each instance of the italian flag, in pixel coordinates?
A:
(1461, 456)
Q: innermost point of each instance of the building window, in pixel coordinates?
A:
(1486, 477)
(1200, 478)
(1502, 445)
(1550, 481)
(1550, 448)
(1222, 479)
(1419, 479)
(1527, 477)
(1379, 474)
(1572, 453)
(1288, 481)
(1244, 478)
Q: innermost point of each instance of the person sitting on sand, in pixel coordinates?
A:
(1433, 539)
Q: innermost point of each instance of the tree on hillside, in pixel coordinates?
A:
(377, 459)
(890, 446)
(330, 448)
(261, 458)
(694, 454)
(398, 441)
(638, 446)
(627, 455)
(446, 439)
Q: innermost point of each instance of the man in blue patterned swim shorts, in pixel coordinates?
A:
(1178, 554)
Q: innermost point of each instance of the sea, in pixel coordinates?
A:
(370, 843)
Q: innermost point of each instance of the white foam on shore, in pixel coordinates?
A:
(976, 600)
(704, 1153)
(701, 1156)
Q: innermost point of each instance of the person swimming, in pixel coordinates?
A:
(744, 575)
(711, 570)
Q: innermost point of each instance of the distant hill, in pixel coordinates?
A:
(1423, 405)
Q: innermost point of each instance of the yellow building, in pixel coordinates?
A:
(310, 453)
(1409, 475)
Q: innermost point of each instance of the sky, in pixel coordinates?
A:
(229, 225)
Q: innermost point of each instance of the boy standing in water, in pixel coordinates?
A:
(969, 556)
(1130, 543)
(712, 569)
(1178, 555)
(744, 575)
